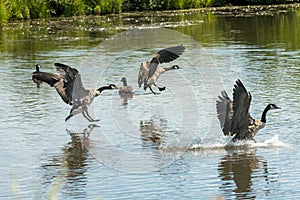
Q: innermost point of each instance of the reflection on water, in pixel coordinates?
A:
(69, 169)
(85, 133)
(239, 170)
(153, 130)
(125, 97)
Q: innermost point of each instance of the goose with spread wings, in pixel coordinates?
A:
(234, 116)
(149, 72)
(69, 86)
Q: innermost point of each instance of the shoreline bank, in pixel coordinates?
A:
(249, 10)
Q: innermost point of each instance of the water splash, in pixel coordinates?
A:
(273, 142)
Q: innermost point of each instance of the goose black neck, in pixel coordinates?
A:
(124, 82)
(168, 68)
(264, 114)
(104, 88)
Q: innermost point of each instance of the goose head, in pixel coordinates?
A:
(272, 106)
(112, 86)
(123, 79)
(37, 68)
(175, 67)
(107, 87)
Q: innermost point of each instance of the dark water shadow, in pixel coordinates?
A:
(67, 170)
(239, 170)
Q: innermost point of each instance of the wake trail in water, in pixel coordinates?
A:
(269, 144)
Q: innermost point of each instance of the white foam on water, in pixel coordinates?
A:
(273, 142)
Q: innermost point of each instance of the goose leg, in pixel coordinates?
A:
(83, 113)
(88, 115)
(69, 132)
(160, 88)
(68, 117)
(153, 91)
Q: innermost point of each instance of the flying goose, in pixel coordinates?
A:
(69, 86)
(149, 72)
(234, 116)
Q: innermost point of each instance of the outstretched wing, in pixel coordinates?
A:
(168, 54)
(54, 80)
(72, 88)
(46, 77)
(143, 73)
(225, 112)
(241, 103)
(164, 56)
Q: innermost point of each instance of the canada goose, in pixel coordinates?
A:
(234, 115)
(69, 86)
(125, 90)
(149, 72)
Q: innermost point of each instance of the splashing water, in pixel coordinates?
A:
(270, 143)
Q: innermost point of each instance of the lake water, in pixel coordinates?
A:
(43, 157)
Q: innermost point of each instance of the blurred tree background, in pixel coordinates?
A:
(32, 9)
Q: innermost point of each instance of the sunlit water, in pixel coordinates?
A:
(189, 157)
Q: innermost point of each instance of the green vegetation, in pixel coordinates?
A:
(31, 9)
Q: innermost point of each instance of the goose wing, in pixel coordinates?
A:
(164, 56)
(46, 77)
(66, 72)
(143, 73)
(241, 103)
(71, 88)
(54, 80)
(168, 54)
(225, 112)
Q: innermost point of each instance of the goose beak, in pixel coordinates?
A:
(276, 107)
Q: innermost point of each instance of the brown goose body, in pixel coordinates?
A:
(125, 90)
